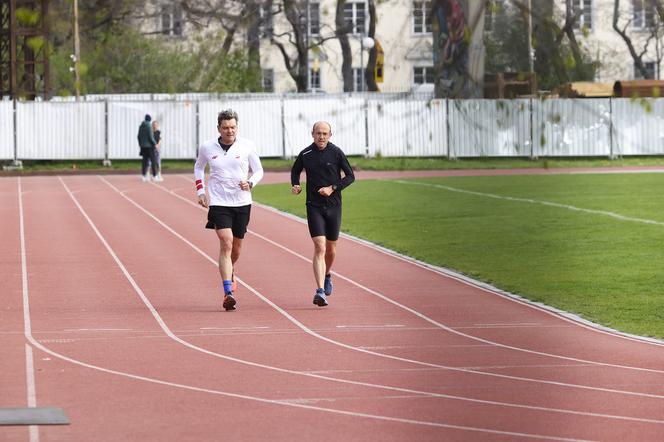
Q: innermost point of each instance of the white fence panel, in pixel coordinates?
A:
(638, 126)
(258, 120)
(6, 130)
(491, 128)
(571, 127)
(407, 127)
(345, 114)
(60, 131)
(177, 122)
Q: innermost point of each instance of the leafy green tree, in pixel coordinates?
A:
(559, 56)
(117, 58)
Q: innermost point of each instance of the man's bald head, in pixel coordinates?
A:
(321, 133)
(324, 123)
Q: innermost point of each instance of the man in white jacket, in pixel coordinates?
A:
(235, 169)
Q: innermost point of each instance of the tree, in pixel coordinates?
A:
(452, 28)
(651, 17)
(341, 31)
(116, 58)
(559, 56)
(370, 71)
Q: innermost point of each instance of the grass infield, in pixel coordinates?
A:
(588, 243)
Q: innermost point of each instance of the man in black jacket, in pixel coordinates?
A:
(323, 163)
(147, 144)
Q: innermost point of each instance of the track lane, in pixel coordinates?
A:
(176, 306)
(239, 379)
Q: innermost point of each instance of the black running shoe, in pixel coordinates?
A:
(319, 298)
(229, 302)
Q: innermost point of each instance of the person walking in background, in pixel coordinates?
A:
(235, 169)
(147, 144)
(323, 163)
(157, 137)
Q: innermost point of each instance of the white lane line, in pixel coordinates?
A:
(324, 338)
(531, 201)
(30, 338)
(29, 360)
(420, 315)
(32, 390)
(371, 326)
(97, 329)
(447, 273)
(559, 314)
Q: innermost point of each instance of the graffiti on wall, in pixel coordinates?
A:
(451, 37)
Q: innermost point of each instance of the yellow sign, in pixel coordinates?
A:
(380, 58)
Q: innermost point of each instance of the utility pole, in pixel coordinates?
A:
(77, 54)
(531, 62)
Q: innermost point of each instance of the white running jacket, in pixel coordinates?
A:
(227, 169)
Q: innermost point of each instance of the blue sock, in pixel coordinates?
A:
(228, 284)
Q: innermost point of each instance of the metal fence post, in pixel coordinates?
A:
(366, 126)
(450, 154)
(611, 154)
(283, 127)
(107, 131)
(16, 164)
(197, 125)
(530, 129)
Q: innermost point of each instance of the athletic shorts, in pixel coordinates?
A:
(235, 218)
(324, 221)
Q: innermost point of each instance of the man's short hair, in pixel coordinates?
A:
(228, 114)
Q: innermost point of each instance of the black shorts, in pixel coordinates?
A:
(324, 221)
(235, 218)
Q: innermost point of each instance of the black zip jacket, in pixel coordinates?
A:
(323, 168)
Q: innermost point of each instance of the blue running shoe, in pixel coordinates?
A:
(319, 298)
(328, 285)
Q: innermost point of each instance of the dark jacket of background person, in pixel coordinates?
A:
(323, 168)
(145, 135)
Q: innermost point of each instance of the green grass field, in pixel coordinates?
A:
(605, 268)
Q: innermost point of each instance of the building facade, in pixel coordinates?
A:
(404, 33)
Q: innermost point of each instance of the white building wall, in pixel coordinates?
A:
(605, 45)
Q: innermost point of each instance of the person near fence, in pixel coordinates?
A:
(235, 168)
(323, 163)
(147, 144)
(157, 137)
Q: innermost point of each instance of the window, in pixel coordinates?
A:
(644, 14)
(267, 80)
(266, 22)
(355, 14)
(651, 69)
(583, 9)
(171, 20)
(423, 75)
(314, 19)
(359, 81)
(422, 17)
(314, 80)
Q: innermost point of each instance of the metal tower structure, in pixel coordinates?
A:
(24, 69)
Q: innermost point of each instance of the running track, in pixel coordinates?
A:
(111, 311)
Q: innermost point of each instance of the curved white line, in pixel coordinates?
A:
(35, 343)
(362, 350)
(436, 323)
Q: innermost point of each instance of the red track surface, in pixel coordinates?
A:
(119, 302)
